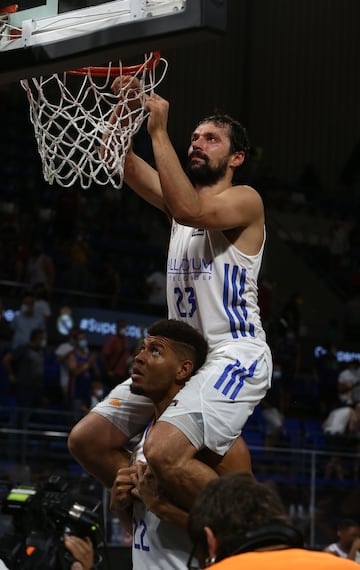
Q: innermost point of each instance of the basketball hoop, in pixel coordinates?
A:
(78, 120)
(5, 29)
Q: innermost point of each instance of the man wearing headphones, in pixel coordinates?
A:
(237, 522)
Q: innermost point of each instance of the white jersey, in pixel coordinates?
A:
(336, 549)
(213, 286)
(129, 412)
(157, 545)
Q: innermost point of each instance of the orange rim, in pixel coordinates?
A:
(115, 71)
(11, 9)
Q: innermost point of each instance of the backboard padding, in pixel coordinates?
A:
(200, 20)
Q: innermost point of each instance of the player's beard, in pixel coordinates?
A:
(205, 174)
(137, 390)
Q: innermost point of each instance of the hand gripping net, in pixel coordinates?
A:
(83, 130)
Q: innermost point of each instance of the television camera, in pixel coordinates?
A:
(40, 517)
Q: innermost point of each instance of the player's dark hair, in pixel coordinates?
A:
(185, 336)
(239, 140)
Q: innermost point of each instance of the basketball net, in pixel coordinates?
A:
(6, 30)
(83, 130)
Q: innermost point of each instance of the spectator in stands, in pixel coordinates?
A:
(5, 330)
(337, 421)
(98, 392)
(326, 374)
(348, 380)
(156, 286)
(356, 386)
(339, 438)
(25, 368)
(348, 543)
(62, 353)
(83, 370)
(25, 321)
(42, 307)
(116, 356)
(40, 267)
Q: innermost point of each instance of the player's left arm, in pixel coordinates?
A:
(146, 489)
(235, 206)
(236, 459)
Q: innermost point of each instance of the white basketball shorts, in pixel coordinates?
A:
(213, 407)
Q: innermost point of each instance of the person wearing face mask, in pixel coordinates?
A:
(25, 368)
(83, 370)
(116, 356)
(25, 321)
(98, 392)
(62, 352)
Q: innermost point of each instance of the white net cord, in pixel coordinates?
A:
(83, 130)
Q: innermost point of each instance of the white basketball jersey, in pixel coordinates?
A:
(157, 545)
(335, 548)
(213, 286)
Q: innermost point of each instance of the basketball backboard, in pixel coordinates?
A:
(44, 36)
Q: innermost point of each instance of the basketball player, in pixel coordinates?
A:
(171, 353)
(215, 253)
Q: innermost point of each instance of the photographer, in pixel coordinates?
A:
(237, 522)
(80, 548)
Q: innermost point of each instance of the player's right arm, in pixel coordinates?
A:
(121, 500)
(144, 180)
(98, 442)
(98, 446)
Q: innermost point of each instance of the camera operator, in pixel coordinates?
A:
(81, 549)
(237, 522)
